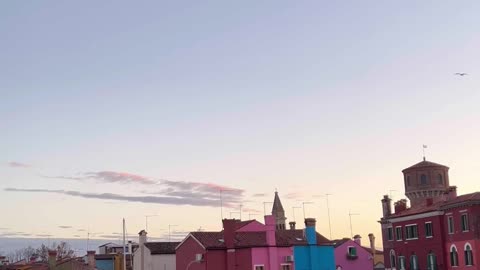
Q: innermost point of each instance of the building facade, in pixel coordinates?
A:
(439, 230)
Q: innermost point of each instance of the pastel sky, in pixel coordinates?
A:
(112, 109)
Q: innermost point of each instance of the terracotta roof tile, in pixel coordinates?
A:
(297, 237)
(466, 198)
(424, 164)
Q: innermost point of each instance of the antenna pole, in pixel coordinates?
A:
(221, 205)
(350, 214)
(328, 213)
(124, 253)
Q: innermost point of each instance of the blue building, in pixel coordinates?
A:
(318, 254)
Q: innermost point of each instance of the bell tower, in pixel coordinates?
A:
(279, 213)
(426, 183)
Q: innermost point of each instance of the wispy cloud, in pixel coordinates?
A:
(111, 196)
(43, 235)
(81, 230)
(259, 195)
(251, 210)
(293, 195)
(65, 227)
(14, 234)
(108, 177)
(16, 164)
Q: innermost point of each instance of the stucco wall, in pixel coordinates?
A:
(186, 254)
(363, 261)
(314, 258)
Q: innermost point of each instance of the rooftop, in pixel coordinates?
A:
(162, 247)
(425, 164)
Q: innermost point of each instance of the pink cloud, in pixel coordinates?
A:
(15, 164)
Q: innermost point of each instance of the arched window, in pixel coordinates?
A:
(393, 259)
(431, 261)
(453, 256)
(440, 179)
(468, 254)
(414, 262)
(423, 179)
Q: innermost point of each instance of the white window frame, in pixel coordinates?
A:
(393, 263)
(352, 247)
(415, 266)
(466, 220)
(402, 263)
(259, 265)
(454, 257)
(406, 232)
(471, 254)
(451, 229)
(396, 233)
(431, 228)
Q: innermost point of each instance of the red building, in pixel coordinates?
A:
(439, 230)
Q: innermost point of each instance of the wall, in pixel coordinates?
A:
(314, 257)
(422, 246)
(186, 253)
(215, 260)
(363, 261)
(162, 262)
(271, 257)
(107, 264)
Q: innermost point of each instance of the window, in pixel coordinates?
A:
(401, 263)
(453, 256)
(464, 223)
(390, 233)
(468, 255)
(428, 229)
(393, 259)
(451, 229)
(440, 179)
(398, 233)
(423, 179)
(414, 262)
(352, 251)
(286, 267)
(411, 232)
(431, 261)
(259, 267)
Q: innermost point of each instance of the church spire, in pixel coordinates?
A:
(278, 212)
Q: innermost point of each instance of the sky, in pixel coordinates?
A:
(114, 109)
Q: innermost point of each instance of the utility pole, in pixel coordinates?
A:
(124, 253)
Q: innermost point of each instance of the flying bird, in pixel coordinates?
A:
(461, 74)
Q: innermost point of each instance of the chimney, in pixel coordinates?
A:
(386, 206)
(142, 239)
(400, 206)
(357, 239)
(371, 237)
(229, 232)
(270, 225)
(310, 231)
(292, 225)
(91, 259)
(52, 259)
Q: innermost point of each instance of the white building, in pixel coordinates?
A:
(154, 255)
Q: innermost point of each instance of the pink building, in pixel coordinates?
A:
(350, 255)
(241, 246)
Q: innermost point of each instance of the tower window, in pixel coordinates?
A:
(440, 179)
(423, 179)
